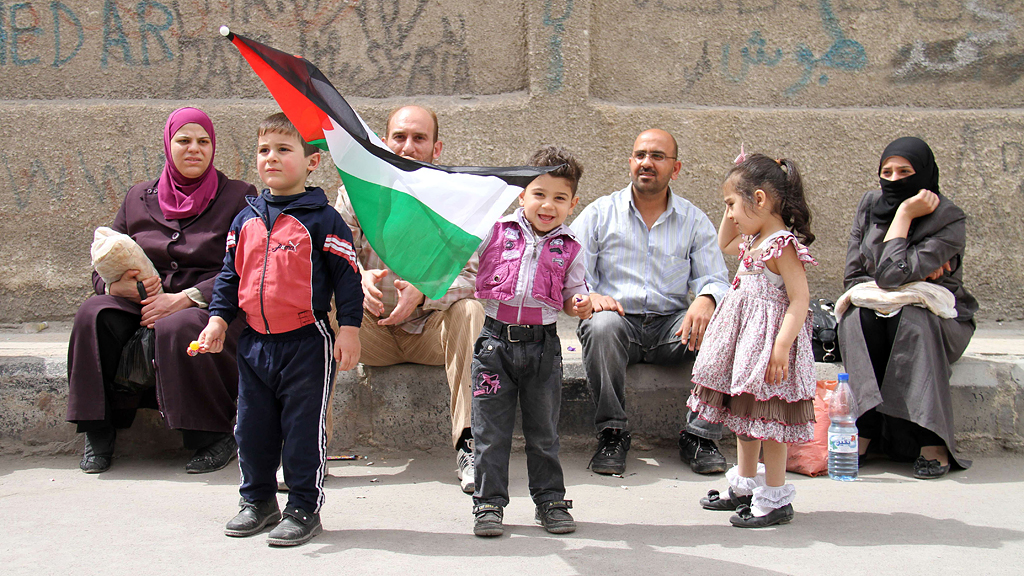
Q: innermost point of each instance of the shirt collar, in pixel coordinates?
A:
(625, 202)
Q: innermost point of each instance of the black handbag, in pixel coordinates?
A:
(824, 331)
(136, 371)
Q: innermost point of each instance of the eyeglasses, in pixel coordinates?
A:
(640, 155)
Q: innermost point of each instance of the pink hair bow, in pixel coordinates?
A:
(741, 157)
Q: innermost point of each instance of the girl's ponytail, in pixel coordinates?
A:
(782, 180)
(792, 204)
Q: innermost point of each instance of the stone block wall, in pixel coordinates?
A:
(88, 84)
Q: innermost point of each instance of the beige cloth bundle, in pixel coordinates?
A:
(114, 253)
(939, 300)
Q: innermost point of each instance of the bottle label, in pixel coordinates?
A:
(842, 443)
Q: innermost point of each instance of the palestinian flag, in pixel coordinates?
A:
(424, 221)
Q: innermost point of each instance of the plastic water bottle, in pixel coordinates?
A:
(842, 433)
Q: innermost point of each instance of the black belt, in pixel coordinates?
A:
(519, 332)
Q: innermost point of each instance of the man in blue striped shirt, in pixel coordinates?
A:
(647, 251)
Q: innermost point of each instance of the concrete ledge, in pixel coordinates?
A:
(406, 406)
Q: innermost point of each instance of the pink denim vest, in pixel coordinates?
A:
(501, 260)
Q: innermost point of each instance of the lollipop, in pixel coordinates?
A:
(193, 348)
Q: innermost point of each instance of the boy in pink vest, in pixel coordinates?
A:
(531, 266)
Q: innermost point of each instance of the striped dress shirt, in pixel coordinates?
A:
(650, 271)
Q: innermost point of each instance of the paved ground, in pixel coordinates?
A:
(405, 515)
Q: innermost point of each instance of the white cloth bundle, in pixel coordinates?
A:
(114, 253)
(939, 300)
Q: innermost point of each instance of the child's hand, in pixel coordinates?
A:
(778, 366)
(211, 339)
(582, 306)
(346, 347)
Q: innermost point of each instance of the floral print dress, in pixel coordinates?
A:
(728, 374)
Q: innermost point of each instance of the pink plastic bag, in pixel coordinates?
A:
(811, 458)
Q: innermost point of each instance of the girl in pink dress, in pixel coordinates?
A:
(755, 370)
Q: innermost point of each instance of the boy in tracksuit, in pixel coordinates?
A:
(288, 252)
(531, 266)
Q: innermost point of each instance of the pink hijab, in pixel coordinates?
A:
(182, 197)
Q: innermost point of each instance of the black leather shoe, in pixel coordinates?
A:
(554, 517)
(253, 518)
(701, 454)
(744, 517)
(929, 469)
(487, 520)
(99, 451)
(297, 527)
(714, 501)
(213, 457)
(612, 446)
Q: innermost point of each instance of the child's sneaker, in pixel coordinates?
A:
(488, 520)
(297, 527)
(253, 518)
(555, 518)
(466, 471)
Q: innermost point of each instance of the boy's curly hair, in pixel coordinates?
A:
(568, 167)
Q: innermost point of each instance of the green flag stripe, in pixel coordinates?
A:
(430, 253)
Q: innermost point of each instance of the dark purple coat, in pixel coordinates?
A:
(193, 393)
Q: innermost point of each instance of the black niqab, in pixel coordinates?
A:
(925, 176)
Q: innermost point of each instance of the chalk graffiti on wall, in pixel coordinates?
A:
(556, 65)
(999, 146)
(973, 55)
(844, 54)
(683, 6)
(808, 45)
(439, 67)
(34, 181)
(411, 46)
(80, 178)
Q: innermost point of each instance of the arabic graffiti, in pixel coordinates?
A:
(972, 56)
(753, 54)
(556, 64)
(844, 54)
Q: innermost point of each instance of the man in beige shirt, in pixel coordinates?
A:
(399, 323)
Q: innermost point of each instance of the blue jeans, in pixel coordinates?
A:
(505, 372)
(612, 342)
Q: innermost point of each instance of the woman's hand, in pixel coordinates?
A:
(161, 305)
(126, 287)
(921, 204)
(939, 272)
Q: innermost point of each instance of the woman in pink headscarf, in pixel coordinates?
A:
(181, 221)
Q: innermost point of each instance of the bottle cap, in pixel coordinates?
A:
(843, 377)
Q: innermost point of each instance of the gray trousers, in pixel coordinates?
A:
(503, 373)
(612, 342)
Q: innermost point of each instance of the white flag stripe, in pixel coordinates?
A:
(446, 194)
